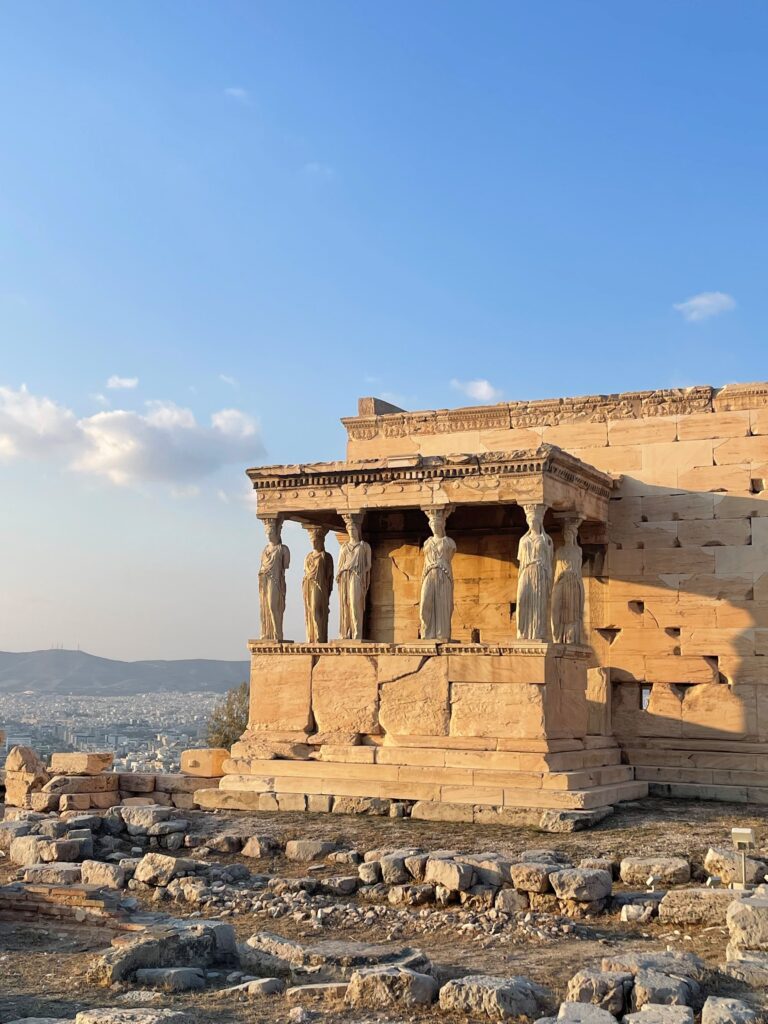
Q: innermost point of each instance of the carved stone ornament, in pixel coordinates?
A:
(534, 581)
(353, 578)
(436, 601)
(568, 587)
(317, 586)
(275, 559)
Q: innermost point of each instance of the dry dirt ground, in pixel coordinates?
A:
(42, 968)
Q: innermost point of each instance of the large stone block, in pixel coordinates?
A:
(280, 692)
(416, 703)
(345, 694)
(497, 709)
(81, 763)
(205, 762)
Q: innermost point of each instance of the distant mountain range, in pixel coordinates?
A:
(75, 672)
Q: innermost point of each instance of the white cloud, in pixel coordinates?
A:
(704, 305)
(100, 399)
(163, 444)
(227, 379)
(31, 426)
(122, 383)
(479, 390)
(238, 93)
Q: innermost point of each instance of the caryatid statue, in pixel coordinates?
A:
(317, 586)
(275, 559)
(353, 578)
(436, 603)
(534, 581)
(568, 588)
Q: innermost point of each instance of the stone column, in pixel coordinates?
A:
(353, 578)
(275, 559)
(534, 581)
(316, 586)
(568, 586)
(436, 600)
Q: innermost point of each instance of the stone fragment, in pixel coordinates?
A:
(24, 759)
(140, 818)
(685, 965)
(668, 870)
(610, 990)
(532, 876)
(696, 906)
(207, 762)
(511, 901)
(661, 1015)
(25, 850)
(656, 988)
(339, 885)
(581, 884)
(172, 979)
(497, 998)
(307, 849)
(454, 875)
(260, 847)
(159, 869)
(719, 1010)
(379, 987)
(136, 782)
(106, 876)
(564, 821)
(370, 873)
(81, 763)
(53, 874)
(584, 1013)
(264, 987)
(318, 992)
(726, 865)
(224, 842)
(490, 868)
(393, 870)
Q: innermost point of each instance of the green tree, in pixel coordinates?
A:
(229, 718)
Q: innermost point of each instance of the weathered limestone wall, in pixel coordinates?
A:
(536, 693)
(677, 599)
(485, 584)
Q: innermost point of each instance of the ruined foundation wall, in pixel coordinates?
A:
(677, 590)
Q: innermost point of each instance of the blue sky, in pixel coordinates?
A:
(257, 212)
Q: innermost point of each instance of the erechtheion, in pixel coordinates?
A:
(548, 604)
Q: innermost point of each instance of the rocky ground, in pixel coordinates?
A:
(46, 969)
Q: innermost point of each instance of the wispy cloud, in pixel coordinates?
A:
(237, 93)
(315, 169)
(227, 379)
(704, 305)
(100, 399)
(479, 390)
(164, 443)
(116, 383)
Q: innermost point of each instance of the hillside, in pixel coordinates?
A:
(75, 672)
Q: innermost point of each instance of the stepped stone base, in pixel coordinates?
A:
(460, 732)
(700, 769)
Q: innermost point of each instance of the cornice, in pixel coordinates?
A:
(547, 459)
(521, 648)
(555, 411)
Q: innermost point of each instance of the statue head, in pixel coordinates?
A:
(317, 536)
(352, 523)
(570, 532)
(272, 528)
(534, 515)
(437, 517)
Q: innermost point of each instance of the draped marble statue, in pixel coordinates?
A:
(534, 581)
(568, 588)
(436, 602)
(275, 559)
(353, 578)
(316, 587)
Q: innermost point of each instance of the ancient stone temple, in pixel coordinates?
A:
(549, 604)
